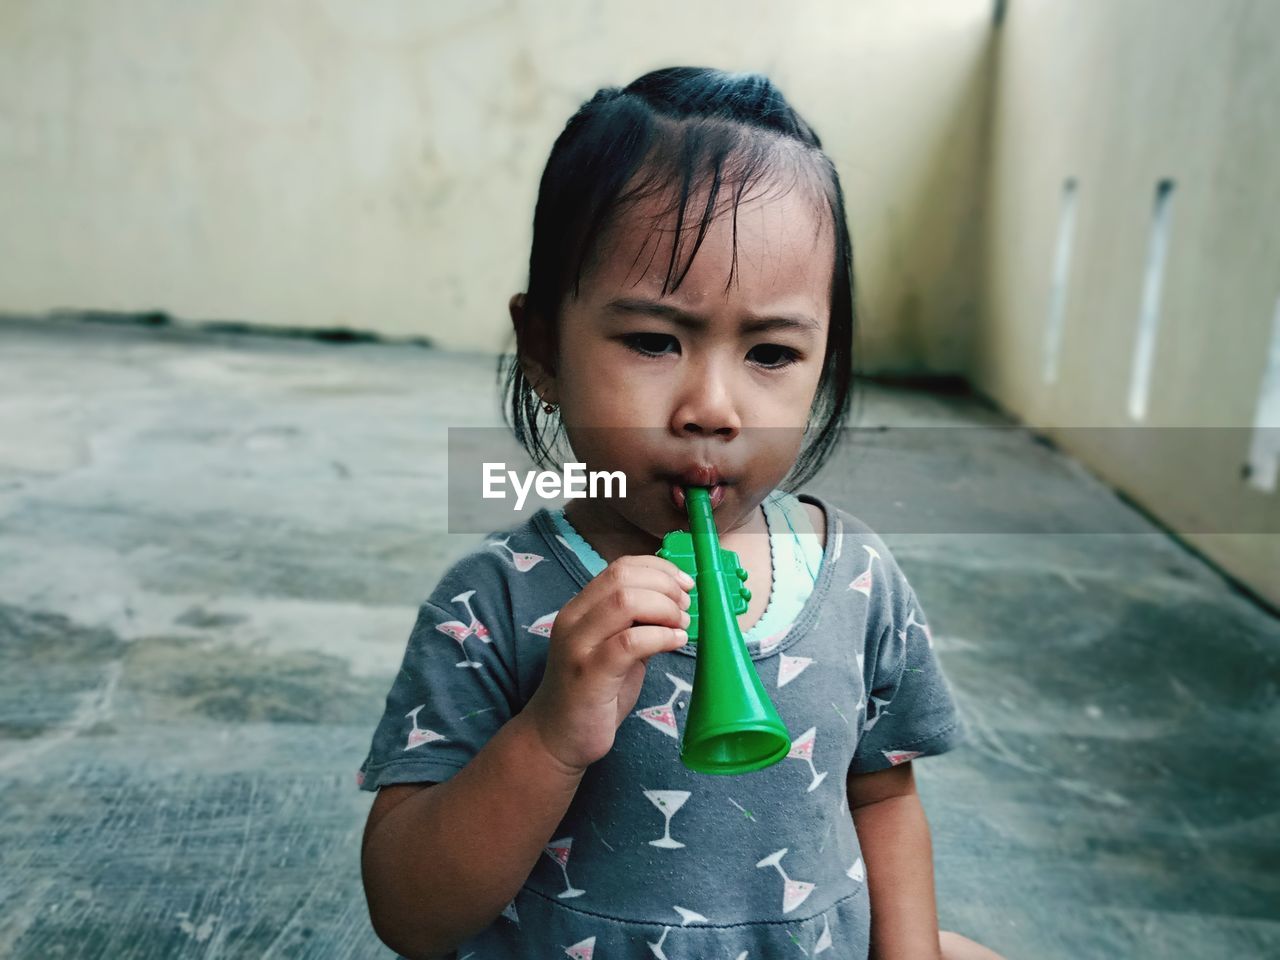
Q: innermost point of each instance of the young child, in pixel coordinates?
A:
(689, 321)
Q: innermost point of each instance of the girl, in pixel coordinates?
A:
(689, 321)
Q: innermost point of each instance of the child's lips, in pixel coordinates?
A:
(677, 495)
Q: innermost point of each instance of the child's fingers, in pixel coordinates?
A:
(647, 570)
(618, 654)
(615, 590)
(626, 606)
(657, 563)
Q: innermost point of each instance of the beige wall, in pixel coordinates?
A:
(1120, 95)
(375, 165)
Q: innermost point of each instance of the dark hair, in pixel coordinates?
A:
(673, 127)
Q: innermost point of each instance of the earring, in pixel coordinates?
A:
(548, 407)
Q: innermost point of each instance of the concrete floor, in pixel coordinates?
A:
(212, 548)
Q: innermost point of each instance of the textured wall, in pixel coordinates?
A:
(1120, 96)
(375, 165)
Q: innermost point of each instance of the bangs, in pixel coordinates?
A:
(695, 173)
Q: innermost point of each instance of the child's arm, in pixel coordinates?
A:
(440, 862)
(896, 848)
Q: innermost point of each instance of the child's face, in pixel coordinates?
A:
(654, 393)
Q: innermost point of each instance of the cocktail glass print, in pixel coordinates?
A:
(542, 626)
(687, 917)
(802, 749)
(896, 757)
(523, 562)
(662, 716)
(460, 631)
(478, 629)
(668, 803)
(913, 622)
(824, 938)
(794, 892)
(418, 735)
(858, 871)
(656, 948)
(582, 950)
(880, 711)
(862, 582)
(791, 667)
(559, 850)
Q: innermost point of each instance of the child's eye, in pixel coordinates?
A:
(649, 344)
(772, 356)
(775, 356)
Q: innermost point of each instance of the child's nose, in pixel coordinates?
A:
(707, 407)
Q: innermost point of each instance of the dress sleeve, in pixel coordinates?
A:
(910, 710)
(452, 693)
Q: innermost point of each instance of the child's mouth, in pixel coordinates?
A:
(677, 495)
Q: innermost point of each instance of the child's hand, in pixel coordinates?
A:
(600, 643)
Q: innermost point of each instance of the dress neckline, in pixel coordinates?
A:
(546, 525)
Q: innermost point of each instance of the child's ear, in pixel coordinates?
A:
(516, 306)
(531, 349)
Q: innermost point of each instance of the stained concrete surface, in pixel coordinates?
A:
(211, 550)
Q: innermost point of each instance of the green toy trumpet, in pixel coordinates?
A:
(732, 726)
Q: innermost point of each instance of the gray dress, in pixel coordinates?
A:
(652, 859)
